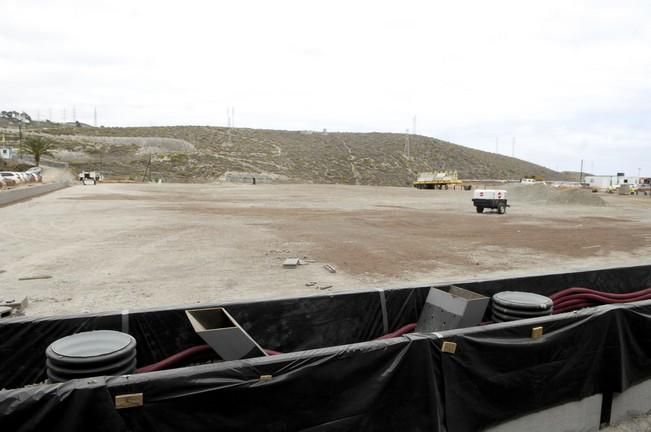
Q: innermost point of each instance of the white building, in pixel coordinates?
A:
(606, 181)
(8, 152)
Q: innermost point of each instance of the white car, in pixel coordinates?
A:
(34, 177)
(11, 178)
(35, 170)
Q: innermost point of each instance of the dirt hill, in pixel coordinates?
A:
(194, 153)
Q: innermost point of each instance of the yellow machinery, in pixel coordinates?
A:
(437, 180)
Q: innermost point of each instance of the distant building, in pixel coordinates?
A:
(8, 152)
(607, 181)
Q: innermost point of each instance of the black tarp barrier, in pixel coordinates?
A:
(502, 373)
(283, 325)
(612, 280)
(498, 372)
(373, 386)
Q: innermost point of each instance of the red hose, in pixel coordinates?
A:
(600, 299)
(181, 356)
(401, 331)
(174, 359)
(575, 298)
(574, 307)
(577, 290)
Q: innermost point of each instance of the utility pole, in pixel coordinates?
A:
(407, 144)
(20, 139)
(581, 173)
(147, 170)
(229, 122)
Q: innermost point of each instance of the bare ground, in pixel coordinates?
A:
(113, 246)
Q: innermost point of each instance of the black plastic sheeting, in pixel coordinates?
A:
(400, 384)
(372, 387)
(498, 372)
(615, 280)
(284, 325)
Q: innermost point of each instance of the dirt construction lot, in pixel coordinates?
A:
(120, 246)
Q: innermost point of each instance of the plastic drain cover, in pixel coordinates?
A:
(98, 343)
(520, 313)
(522, 300)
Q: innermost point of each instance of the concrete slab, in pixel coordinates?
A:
(19, 194)
(579, 416)
(634, 402)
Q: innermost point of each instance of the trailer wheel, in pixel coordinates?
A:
(501, 209)
(480, 209)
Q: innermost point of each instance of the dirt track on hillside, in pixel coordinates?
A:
(114, 246)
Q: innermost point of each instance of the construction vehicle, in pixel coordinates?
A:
(90, 177)
(437, 180)
(490, 198)
(532, 179)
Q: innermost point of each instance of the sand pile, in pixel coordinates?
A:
(57, 175)
(545, 194)
(528, 192)
(576, 197)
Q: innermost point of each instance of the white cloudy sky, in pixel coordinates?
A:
(570, 80)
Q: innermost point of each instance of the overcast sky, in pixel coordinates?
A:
(567, 80)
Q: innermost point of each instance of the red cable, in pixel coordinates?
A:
(601, 299)
(574, 290)
(174, 359)
(576, 298)
(575, 307)
(189, 352)
(401, 331)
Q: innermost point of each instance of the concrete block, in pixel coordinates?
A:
(579, 416)
(633, 402)
(291, 263)
(451, 307)
(224, 334)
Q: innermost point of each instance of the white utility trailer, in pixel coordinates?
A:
(90, 177)
(490, 198)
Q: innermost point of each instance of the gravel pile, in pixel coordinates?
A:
(542, 193)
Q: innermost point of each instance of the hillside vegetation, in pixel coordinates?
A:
(195, 153)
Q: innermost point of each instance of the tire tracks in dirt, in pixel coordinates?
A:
(351, 159)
